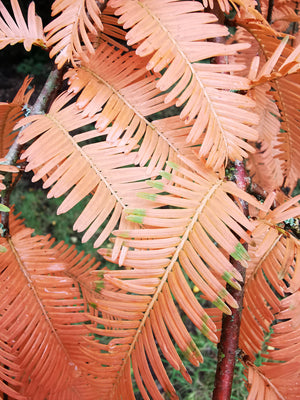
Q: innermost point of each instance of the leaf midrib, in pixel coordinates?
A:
(193, 73)
(37, 297)
(87, 159)
(123, 99)
(169, 269)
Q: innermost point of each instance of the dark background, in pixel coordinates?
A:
(16, 62)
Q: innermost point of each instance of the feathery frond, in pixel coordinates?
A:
(12, 32)
(187, 238)
(272, 272)
(278, 376)
(206, 93)
(43, 333)
(118, 88)
(10, 114)
(286, 95)
(282, 367)
(269, 308)
(283, 13)
(265, 167)
(111, 33)
(67, 162)
(120, 84)
(246, 56)
(259, 385)
(69, 31)
(225, 5)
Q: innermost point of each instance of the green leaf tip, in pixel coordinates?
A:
(205, 330)
(156, 184)
(192, 349)
(205, 318)
(166, 175)
(227, 276)
(136, 211)
(99, 286)
(135, 218)
(93, 305)
(240, 253)
(172, 165)
(4, 208)
(3, 249)
(222, 306)
(147, 196)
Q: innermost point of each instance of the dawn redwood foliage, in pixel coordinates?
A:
(184, 138)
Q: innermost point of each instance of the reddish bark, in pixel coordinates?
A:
(228, 345)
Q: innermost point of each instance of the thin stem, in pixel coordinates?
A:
(242, 181)
(45, 97)
(228, 345)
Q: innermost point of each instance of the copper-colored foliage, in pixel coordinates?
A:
(71, 27)
(286, 94)
(283, 13)
(6, 168)
(100, 168)
(111, 33)
(260, 386)
(278, 377)
(283, 347)
(118, 88)
(12, 32)
(158, 185)
(43, 333)
(272, 274)
(265, 166)
(225, 5)
(10, 114)
(193, 84)
(184, 239)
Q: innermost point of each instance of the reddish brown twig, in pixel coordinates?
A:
(40, 105)
(228, 345)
